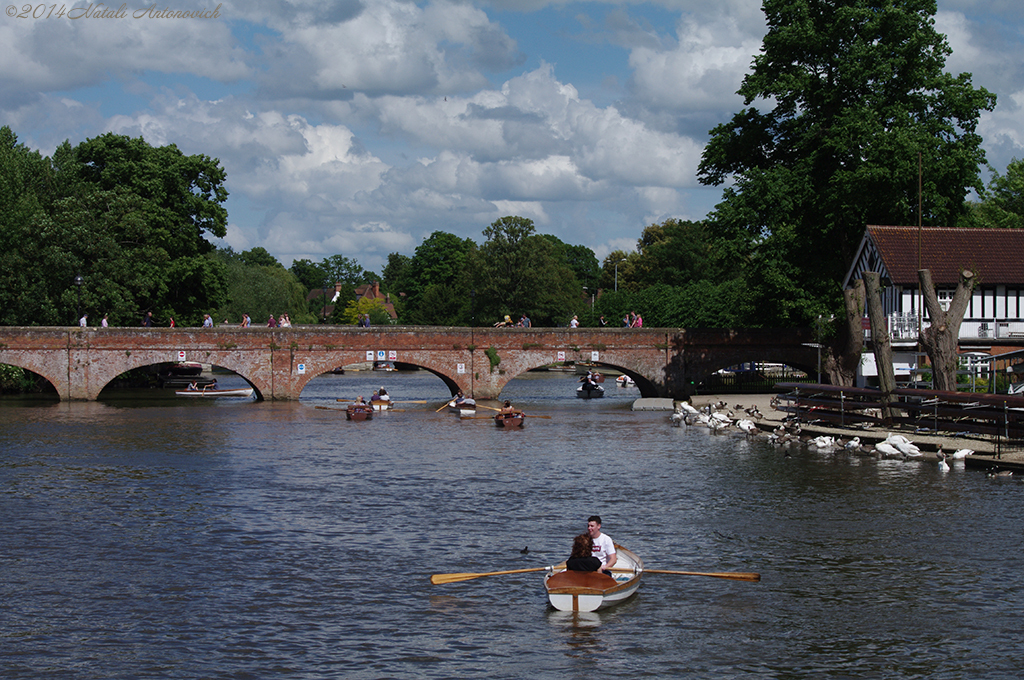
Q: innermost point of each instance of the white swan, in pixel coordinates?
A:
(960, 454)
(943, 465)
(887, 450)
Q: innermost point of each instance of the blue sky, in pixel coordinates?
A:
(360, 127)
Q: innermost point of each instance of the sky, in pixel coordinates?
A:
(360, 127)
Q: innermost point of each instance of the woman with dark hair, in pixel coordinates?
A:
(581, 558)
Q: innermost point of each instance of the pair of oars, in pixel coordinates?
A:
(438, 579)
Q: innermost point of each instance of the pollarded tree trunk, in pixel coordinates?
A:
(941, 339)
(843, 358)
(880, 341)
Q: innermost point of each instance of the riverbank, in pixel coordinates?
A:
(929, 443)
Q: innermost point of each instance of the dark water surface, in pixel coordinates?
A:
(146, 538)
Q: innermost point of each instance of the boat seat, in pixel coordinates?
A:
(581, 579)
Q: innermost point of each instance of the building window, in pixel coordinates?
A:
(945, 297)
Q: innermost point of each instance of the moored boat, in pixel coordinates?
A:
(587, 591)
(509, 419)
(214, 392)
(359, 412)
(624, 381)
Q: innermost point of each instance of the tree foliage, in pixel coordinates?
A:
(841, 100)
(516, 271)
(130, 218)
(1002, 202)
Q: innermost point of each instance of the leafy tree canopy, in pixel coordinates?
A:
(130, 218)
(845, 95)
(1002, 203)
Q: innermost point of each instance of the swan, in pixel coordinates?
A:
(747, 426)
(853, 444)
(943, 465)
(887, 450)
(960, 454)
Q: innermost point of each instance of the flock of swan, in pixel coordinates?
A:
(789, 435)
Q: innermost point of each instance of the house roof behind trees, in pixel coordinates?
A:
(996, 255)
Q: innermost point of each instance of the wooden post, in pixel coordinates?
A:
(880, 341)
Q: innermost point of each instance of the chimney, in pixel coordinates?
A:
(376, 290)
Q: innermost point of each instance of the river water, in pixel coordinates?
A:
(145, 538)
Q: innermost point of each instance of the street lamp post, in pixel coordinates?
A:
(79, 282)
(617, 274)
(323, 311)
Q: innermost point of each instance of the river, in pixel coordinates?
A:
(147, 538)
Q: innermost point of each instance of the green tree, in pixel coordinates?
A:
(848, 93)
(128, 217)
(1002, 203)
(580, 259)
(517, 271)
(260, 290)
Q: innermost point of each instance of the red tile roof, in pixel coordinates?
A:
(996, 255)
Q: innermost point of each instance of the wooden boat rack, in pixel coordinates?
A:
(999, 416)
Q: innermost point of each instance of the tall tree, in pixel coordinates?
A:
(129, 217)
(841, 100)
(518, 272)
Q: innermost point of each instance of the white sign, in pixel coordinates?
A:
(369, 355)
(460, 368)
(561, 356)
(594, 356)
(381, 355)
(181, 356)
(301, 368)
(392, 355)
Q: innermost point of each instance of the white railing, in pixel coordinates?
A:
(903, 327)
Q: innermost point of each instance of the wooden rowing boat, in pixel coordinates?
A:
(359, 412)
(381, 404)
(213, 392)
(587, 591)
(464, 407)
(509, 419)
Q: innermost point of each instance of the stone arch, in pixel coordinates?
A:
(38, 368)
(106, 368)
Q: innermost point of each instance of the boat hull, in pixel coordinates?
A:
(588, 591)
(466, 407)
(247, 392)
(381, 404)
(359, 412)
(594, 393)
(509, 420)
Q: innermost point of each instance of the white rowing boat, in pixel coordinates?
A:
(213, 392)
(588, 591)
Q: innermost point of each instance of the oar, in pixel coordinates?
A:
(734, 575)
(329, 408)
(438, 579)
(444, 406)
(415, 401)
(489, 408)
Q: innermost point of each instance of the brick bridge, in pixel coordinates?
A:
(278, 362)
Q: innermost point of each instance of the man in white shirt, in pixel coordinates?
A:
(604, 547)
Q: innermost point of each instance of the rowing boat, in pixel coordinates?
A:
(213, 392)
(382, 404)
(464, 407)
(509, 419)
(359, 412)
(587, 591)
(589, 390)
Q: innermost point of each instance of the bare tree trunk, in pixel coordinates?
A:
(843, 358)
(941, 338)
(880, 341)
